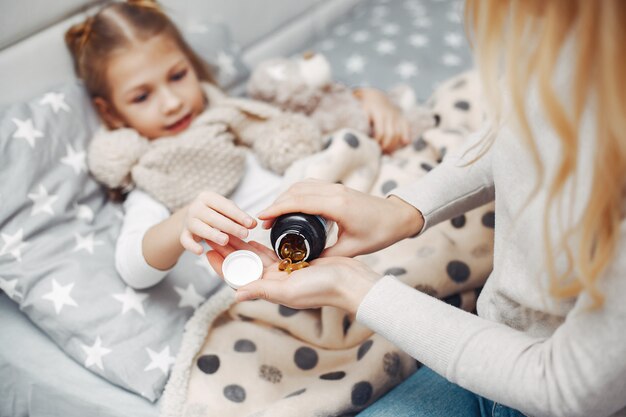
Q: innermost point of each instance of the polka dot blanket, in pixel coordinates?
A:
(260, 359)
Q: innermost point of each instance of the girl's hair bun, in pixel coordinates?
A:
(77, 36)
(146, 4)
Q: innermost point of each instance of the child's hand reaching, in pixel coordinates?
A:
(213, 217)
(389, 126)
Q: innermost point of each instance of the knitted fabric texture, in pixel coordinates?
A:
(206, 156)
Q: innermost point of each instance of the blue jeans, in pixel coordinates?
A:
(427, 394)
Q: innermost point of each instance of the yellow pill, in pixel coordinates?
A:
(284, 264)
(298, 255)
(294, 267)
(299, 265)
(285, 250)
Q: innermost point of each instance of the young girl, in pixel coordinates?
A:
(144, 79)
(548, 336)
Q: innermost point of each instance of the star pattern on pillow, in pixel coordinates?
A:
(86, 242)
(10, 288)
(131, 300)
(13, 244)
(26, 130)
(83, 212)
(56, 101)
(60, 296)
(161, 360)
(77, 160)
(42, 201)
(189, 297)
(95, 353)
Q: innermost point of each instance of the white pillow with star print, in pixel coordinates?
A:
(57, 242)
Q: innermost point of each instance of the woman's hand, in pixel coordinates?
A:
(389, 126)
(213, 217)
(338, 282)
(366, 223)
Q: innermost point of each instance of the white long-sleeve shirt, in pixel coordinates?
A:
(525, 349)
(257, 190)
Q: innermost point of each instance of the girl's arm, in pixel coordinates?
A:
(142, 213)
(152, 240)
(161, 245)
(389, 126)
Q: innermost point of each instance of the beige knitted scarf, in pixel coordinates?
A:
(209, 155)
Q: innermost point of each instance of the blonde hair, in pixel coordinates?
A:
(114, 27)
(522, 39)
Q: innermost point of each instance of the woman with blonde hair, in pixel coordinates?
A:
(548, 336)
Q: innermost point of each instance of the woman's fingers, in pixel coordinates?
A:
(274, 290)
(267, 256)
(307, 187)
(263, 250)
(311, 204)
(224, 251)
(343, 247)
(215, 260)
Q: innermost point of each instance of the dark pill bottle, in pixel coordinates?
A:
(308, 230)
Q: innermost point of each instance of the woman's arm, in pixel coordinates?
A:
(457, 185)
(579, 371)
(367, 223)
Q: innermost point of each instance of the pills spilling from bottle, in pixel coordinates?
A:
(287, 265)
(298, 238)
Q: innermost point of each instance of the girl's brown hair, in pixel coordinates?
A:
(521, 39)
(116, 26)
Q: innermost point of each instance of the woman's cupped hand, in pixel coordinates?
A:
(330, 281)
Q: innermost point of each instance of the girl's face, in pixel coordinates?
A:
(153, 89)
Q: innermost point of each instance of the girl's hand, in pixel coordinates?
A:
(366, 223)
(389, 126)
(213, 217)
(337, 282)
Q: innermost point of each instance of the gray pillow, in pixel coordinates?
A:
(57, 241)
(213, 41)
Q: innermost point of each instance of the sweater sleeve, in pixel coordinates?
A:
(141, 213)
(578, 371)
(455, 186)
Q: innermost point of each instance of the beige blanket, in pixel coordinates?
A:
(261, 359)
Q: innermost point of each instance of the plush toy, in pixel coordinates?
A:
(304, 85)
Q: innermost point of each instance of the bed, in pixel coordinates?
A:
(368, 43)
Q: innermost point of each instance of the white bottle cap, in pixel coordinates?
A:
(242, 267)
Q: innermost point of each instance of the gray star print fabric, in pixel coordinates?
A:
(58, 232)
(57, 241)
(382, 43)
